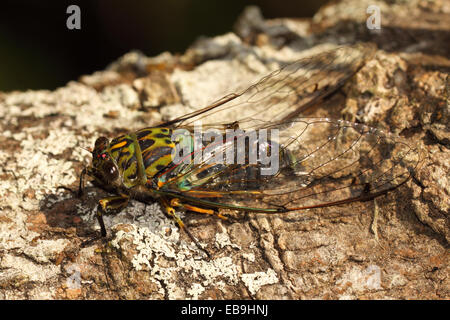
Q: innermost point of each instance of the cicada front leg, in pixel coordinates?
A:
(82, 182)
(81, 186)
(87, 171)
(115, 203)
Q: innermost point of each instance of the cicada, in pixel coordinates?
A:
(253, 151)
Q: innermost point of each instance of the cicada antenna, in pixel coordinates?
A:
(87, 149)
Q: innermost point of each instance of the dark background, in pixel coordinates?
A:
(37, 51)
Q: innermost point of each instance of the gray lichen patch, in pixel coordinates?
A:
(254, 281)
(169, 262)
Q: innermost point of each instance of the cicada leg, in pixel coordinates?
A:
(171, 212)
(115, 203)
(176, 203)
(82, 182)
(79, 194)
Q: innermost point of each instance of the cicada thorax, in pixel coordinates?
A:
(156, 148)
(142, 154)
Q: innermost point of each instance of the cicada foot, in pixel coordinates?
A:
(66, 189)
(93, 239)
(169, 208)
(105, 245)
(115, 203)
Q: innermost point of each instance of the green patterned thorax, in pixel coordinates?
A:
(140, 155)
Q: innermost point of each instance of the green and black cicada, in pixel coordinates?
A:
(252, 151)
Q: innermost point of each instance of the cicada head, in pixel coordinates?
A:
(103, 166)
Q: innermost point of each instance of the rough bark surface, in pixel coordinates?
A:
(327, 253)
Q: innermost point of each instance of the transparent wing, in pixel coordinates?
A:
(300, 163)
(285, 93)
(294, 162)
